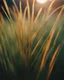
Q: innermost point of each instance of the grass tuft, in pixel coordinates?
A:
(28, 41)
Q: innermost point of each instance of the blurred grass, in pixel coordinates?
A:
(30, 46)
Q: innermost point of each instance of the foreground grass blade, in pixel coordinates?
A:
(53, 62)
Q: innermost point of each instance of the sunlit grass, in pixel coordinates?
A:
(26, 42)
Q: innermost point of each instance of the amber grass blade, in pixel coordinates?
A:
(7, 9)
(20, 12)
(33, 10)
(46, 50)
(17, 12)
(58, 17)
(5, 13)
(6, 6)
(36, 33)
(54, 56)
(54, 43)
(53, 61)
(40, 52)
(50, 7)
(24, 26)
(24, 15)
(44, 45)
(25, 10)
(38, 14)
(55, 10)
(20, 6)
(28, 11)
(13, 13)
(43, 20)
(38, 43)
(41, 25)
(15, 5)
(57, 36)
